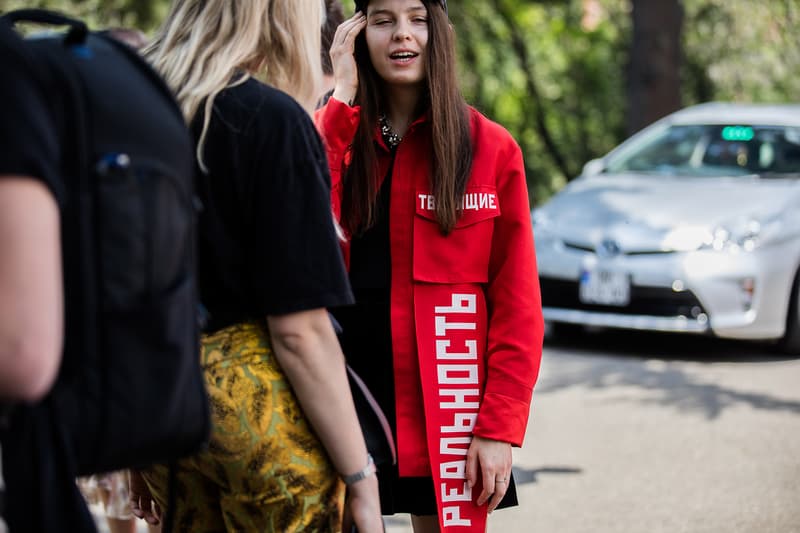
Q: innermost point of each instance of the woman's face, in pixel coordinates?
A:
(397, 38)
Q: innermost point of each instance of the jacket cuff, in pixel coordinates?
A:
(504, 415)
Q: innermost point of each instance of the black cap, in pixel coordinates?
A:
(361, 5)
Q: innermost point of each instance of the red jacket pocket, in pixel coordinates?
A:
(463, 255)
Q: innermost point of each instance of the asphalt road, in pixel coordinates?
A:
(647, 433)
(644, 433)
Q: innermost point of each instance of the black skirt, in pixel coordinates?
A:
(366, 340)
(416, 495)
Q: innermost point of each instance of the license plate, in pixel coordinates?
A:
(605, 287)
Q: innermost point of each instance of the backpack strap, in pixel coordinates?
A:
(76, 35)
(147, 69)
(57, 68)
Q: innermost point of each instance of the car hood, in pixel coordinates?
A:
(637, 211)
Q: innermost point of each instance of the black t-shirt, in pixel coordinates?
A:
(28, 137)
(267, 244)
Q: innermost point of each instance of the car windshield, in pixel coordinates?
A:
(713, 150)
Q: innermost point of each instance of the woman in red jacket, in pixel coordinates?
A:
(447, 328)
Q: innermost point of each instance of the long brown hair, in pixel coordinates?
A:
(451, 150)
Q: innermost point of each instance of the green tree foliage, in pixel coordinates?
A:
(556, 81)
(558, 84)
(744, 51)
(555, 84)
(141, 14)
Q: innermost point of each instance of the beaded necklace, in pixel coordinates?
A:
(389, 136)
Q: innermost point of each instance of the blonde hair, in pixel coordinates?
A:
(205, 46)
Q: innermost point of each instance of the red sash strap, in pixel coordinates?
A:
(451, 333)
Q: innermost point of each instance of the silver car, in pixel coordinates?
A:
(692, 225)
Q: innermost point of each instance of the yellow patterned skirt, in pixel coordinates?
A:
(265, 469)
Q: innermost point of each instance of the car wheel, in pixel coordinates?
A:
(790, 343)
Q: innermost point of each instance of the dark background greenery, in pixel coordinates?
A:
(572, 78)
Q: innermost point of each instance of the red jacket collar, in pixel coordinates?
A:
(423, 118)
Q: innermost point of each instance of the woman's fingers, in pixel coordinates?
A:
(136, 509)
(495, 486)
(142, 504)
(345, 70)
(348, 30)
(493, 459)
(487, 477)
(500, 489)
(472, 467)
(156, 512)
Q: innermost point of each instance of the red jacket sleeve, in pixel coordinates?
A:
(337, 123)
(516, 326)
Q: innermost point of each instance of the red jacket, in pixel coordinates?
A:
(487, 262)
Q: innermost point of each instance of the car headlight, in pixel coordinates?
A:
(744, 234)
(686, 239)
(740, 235)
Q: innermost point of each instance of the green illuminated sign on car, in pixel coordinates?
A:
(737, 133)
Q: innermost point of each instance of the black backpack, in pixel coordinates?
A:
(130, 391)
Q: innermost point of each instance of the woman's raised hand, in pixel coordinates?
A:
(345, 72)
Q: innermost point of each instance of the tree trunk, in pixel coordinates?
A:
(654, 84)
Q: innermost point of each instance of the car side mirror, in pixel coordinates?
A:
(594, 166)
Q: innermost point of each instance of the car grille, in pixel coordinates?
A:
(593, 250)
(652, 301)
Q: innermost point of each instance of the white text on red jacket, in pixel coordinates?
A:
(459, 399)
(474, 201)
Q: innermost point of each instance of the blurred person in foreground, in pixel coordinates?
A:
(447, 327)
(285, 437)
(31, 295)
(31, 306)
